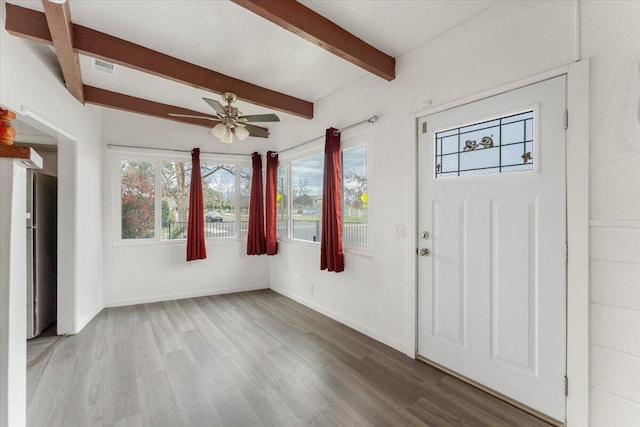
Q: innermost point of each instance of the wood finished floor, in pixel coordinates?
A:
(247, 359)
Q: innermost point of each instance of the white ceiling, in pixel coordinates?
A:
(227, 38)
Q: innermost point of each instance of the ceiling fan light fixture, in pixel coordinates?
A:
(232, 121)
(227, 138)
(219, 130)
(223, 133)
(241, 133)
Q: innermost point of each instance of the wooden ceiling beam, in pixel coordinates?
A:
(32, 25)
(118, 101)
(304, 22)
(61, 29)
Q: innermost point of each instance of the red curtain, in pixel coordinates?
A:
(195, 230)
(256, 240)
(331, 256)
(271, 204)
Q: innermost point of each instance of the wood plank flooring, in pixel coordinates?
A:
(38, 346)
(246, 359)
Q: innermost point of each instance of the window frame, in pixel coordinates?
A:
(116, 156)
(534, 108)
(349, 139)
(352, 139)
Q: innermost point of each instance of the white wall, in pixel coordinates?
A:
(504, 44)
(611, 38)
(137, 273)
(30, 78)
(508, 42)
(13, 295)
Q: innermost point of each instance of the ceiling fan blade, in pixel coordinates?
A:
(257, 131)
(216, 106)
(260, 118)
(193, 117)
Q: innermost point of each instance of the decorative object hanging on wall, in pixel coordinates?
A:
(7, 132)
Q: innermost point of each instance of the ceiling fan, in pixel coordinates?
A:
(232, 121)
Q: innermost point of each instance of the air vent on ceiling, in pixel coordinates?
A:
(103, 66)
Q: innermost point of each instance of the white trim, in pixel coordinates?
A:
(577, 229)
(492, 92)
(67, 318)
(578, 243)
(391, 342)
(615, 223)
(184, 295)
(38, 118)
(88, 318)
(411, 261)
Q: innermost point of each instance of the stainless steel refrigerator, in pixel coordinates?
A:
(42, 252)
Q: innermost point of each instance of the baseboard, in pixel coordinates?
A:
(345, 321)
(88, 318)
(171, 297)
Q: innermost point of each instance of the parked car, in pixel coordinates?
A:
(213, 216)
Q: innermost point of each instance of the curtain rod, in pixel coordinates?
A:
(371, 120)
(177, 151)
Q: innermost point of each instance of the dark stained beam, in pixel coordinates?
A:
(32, 25)
(61, 29)
(304, 22)
(27, 24)
(118, 101)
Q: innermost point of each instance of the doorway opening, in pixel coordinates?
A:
(42, 241)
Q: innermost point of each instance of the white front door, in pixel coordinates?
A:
(492, 292)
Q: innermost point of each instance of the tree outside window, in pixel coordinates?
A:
(137, 197)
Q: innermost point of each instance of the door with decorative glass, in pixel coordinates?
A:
(492, 252)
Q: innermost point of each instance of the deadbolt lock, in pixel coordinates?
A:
(424, 252)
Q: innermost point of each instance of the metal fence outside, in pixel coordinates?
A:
(354, 233)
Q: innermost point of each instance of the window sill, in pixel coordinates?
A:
(348, 250)
(176, 242)
(304, 243)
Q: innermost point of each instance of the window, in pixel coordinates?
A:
(493, 146)
(306, 198)
(354, 196)
(220, 200)
(175, 182)
(282, 201)
(305, 195)
(137, 200)
(154, 199)
(245, 194)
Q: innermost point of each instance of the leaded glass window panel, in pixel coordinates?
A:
(494, 146)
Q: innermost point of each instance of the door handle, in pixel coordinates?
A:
(423, 252)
